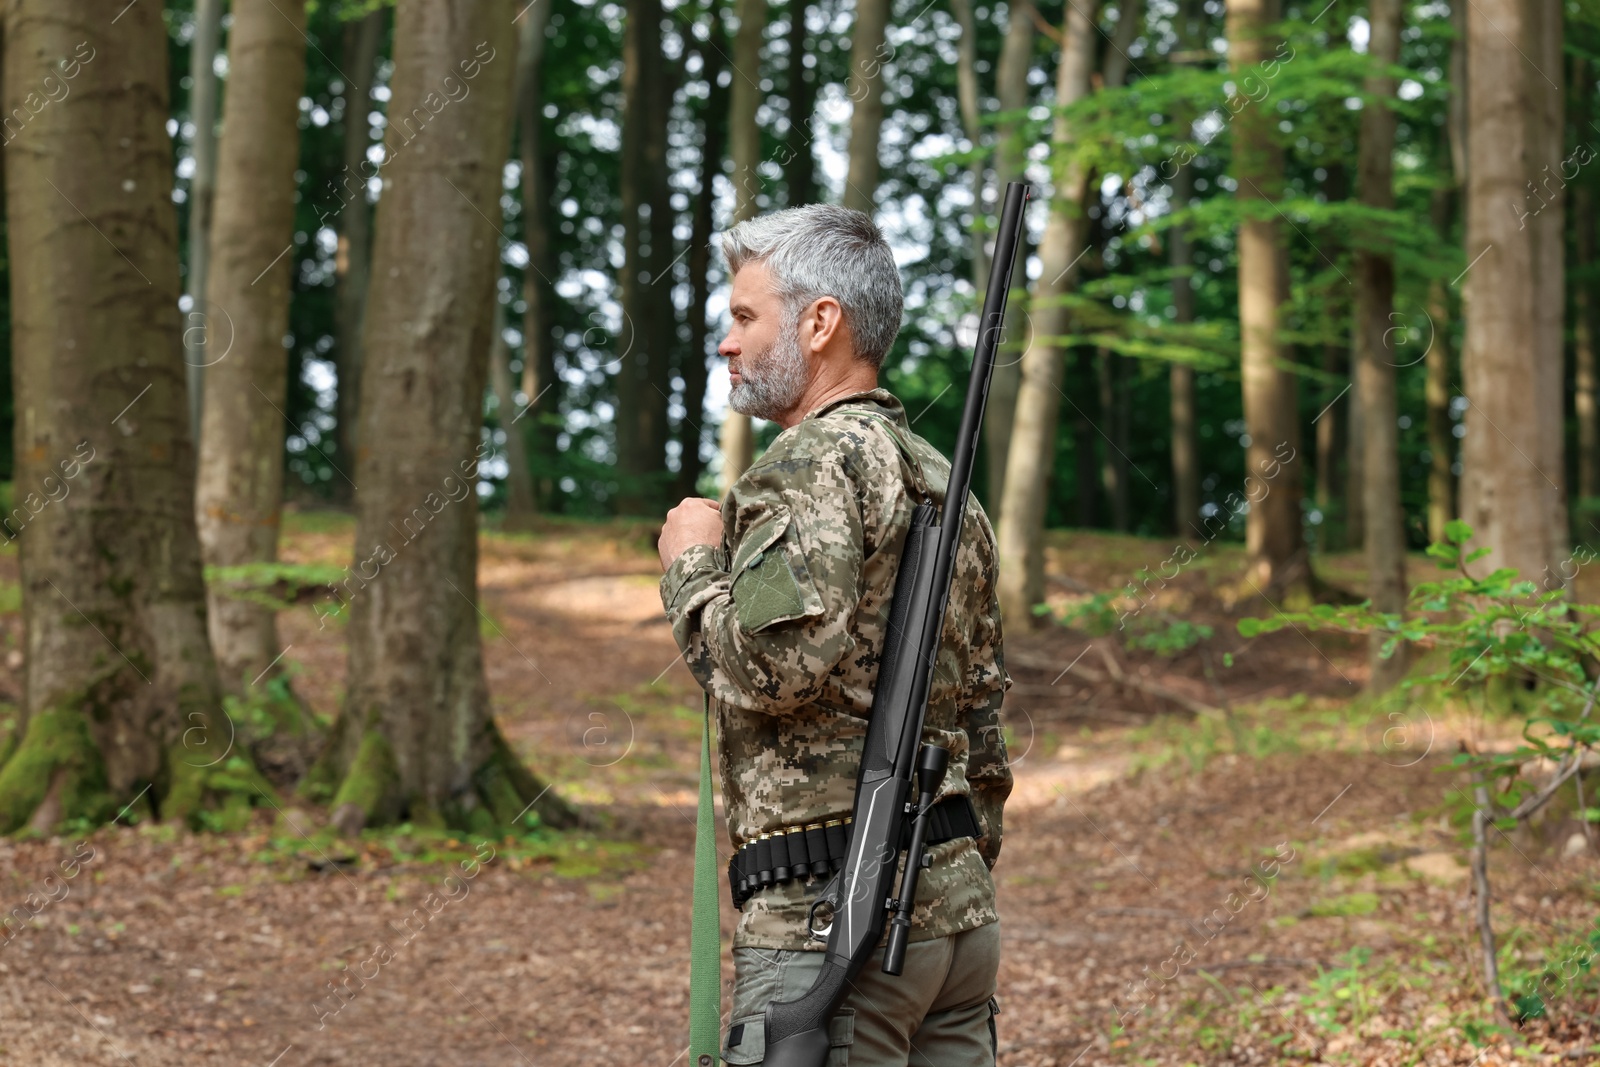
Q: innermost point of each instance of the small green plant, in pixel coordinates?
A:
(1100, 616)
(1530, 652)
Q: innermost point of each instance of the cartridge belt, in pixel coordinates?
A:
(818, 849)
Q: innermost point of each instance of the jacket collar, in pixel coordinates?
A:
(879, 398)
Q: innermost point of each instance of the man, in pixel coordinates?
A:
(779, 598)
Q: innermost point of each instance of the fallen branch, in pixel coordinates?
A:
(1115, 675)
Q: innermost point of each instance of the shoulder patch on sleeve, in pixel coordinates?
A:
(771, 582)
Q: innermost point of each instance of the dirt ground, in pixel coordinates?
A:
(1134, 932)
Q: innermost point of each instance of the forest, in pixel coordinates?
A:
(357, 349)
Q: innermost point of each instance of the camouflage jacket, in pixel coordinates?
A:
(784, 624)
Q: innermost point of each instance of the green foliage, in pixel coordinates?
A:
(1564, 973)
(1100, 616)
(1495, 632)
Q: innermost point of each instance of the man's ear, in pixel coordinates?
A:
(826, 319)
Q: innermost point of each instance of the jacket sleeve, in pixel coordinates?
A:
(988, 763)
(763, 619)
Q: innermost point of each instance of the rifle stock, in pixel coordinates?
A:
(796, 1031)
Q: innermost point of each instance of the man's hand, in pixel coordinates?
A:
(695, 521)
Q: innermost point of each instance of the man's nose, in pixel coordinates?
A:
(727, 348)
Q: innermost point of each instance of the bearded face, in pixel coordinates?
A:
(771, 382)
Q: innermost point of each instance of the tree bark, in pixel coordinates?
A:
(519, 487)
(1384, 537)
(353, 263)
(713, 143)
(202, 188)
(744, 139)
(1586, 309)
(1033, 435)
(541, 385)
(120, 700)
(647, 337)
(1511, 485)
(800, 164)
(968, 97)
(1441, 437)
(868, 54)
(239, 490)
(1114, 67)
(1331, 427)
(1086, 469)
(416, 739)
(1010, 164)
(1185, 436)
(1277, 565)
(1185, 444)
(1112, 373)
(525, 120)
(1436, 390)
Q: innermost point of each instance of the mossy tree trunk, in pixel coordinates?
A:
(415, 739)
(121, 697)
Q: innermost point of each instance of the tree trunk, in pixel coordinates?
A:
(744, 138)
(1355, 464)
(202, 187)
(1086, 468)
(1384, 537)
(1112, 372)
(1586, 311)
(519, 487)
(868, 53)
(525, 121)
(1276, 562)
(968, 98)
(1441, 437)
(353, 263)
(239, 490)
(1436, 390)
(415, 739)
(1010, 163)
(1185, 438)
(695, 369)
(647, 336)
(800, 164)
(1180, 377)
(1130, 20)
(541, 386)
(120, 702)
(1033, 435)
(1511, 485)
(1336, 401)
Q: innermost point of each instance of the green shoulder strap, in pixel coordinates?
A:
(705, 934)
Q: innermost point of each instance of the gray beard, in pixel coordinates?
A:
(773, 382)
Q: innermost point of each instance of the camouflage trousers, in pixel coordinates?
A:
(938, 1013)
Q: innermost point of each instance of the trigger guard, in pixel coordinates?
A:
(830, 897)
(811, 919)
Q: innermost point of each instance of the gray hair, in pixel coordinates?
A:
(825, 250)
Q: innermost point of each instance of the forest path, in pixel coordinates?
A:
(1130, 827)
